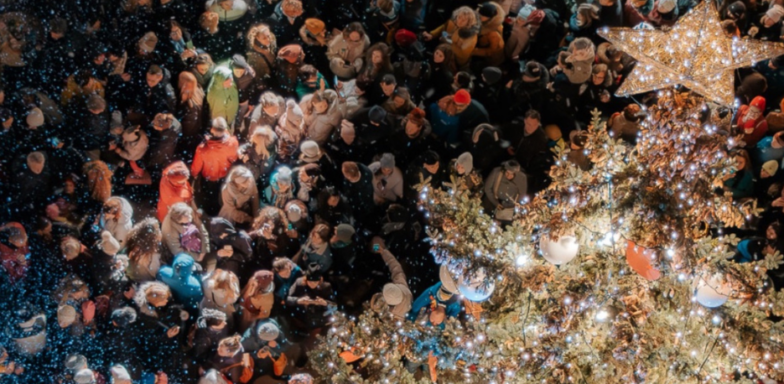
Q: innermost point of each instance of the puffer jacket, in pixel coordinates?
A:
(213, 158)
(319, 127)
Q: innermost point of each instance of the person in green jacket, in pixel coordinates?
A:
(223, 96)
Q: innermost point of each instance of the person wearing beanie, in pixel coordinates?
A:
(444, 293)
(233, 248)
(309, 151)
(34, 119)
(387, 180)
(211, 163)
(85, 376)
(280, 190)
(769, 169)
(211, 328)
(488, 91)
(454, 115)
(109, 245)
(489, 49)
(174, 188)
(123, 317)
(751, 121)
(506, 186)
(310, 298)
(395, 294)
(120, 375)
(468, 178)
(373, 126)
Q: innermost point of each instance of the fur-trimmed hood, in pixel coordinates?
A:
(495, 23)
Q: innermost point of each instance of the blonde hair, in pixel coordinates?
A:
(262, 138)
(262, 28)
(465, 11)
(99, 180)
(190, 86)
(226, 281)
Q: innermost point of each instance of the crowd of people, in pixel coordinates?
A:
(191, 189)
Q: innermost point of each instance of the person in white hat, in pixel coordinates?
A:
(396, 294)
(442, 293)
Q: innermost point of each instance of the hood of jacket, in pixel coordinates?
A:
(183, 266)
(495, 23)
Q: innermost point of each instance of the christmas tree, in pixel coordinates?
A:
(617, 274)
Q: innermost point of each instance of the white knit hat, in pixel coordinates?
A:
(447, 281)
(467, 161)
(84, 376)
(770, 166)
(66, 314)
(393, 295)
(109, 245)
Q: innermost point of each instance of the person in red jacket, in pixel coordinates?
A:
(14, 251)
(211, 163)
(174, 188)
(751, 121)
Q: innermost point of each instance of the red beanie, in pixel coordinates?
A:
(758, 102)
(405, 38)
(462, 97)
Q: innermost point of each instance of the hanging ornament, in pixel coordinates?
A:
(712, 292)
(639, 258)
(477, 288)
(561, 251)
(694, 53)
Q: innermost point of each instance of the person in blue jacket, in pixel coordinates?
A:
(185, 287)
(442, 294)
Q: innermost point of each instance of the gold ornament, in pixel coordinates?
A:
(694, 53)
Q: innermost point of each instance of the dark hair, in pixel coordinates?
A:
(58, 25)
(350, 168)
(430, 157)
(533, 114)
(83, 77)
(307, 71)
(154, 70)
(41, 223)
(354, 27)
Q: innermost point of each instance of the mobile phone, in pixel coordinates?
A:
(376, 247)
(55, 141)
(189, 45)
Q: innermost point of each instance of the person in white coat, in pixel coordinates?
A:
(117, 218)
(396, 294)
(240, 197)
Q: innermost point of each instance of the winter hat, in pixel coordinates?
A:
(447, 281)
(293, 113)
(75, 362)
(487, 10)
(268, 331)
(313, 272)
(770, 167)
(737, 9)
(775, 13)
(310, 151)
(264, 280)
(467, 161)
(237, 61)
(66, 314)
(492, 75)
(525, 11)
(393, 295)
(124, 316)
(759, 101)
(387, 160)
(291, 53)
(301, 378)
(84, 376)
(404, 37)
(389, 79)
(666, 6)
(211, 377)
(120, 375)
(109, 245)
(35, 118)
(462, 97)
(314, 26)
(430, 157)
(397, 213)
(148, 42)
(284, 175)
(345, 232)
(293, 212)
(532, 70)
(377, 114)
(417, 116)
(96, 103)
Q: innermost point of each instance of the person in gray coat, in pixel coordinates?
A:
(505, 187)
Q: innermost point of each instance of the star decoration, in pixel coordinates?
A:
(695, 53)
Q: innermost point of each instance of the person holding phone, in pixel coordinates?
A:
(310, 297)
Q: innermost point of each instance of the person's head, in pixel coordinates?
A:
(464, 163)
(586, 14)
(320, 102)
(157, 294)
(226, 5)
(772, 233)
(431, 161)
(387, 162)
(226, 282)
(291, 8)
(347, 132)
(736, 10)
(58, 28)
(43, 226)
(415, 121)
(270, 103)
(401, 97)
(147, 43)
(35, 162)
(308, 75)
(510, 168)
(282, 179)
(532, 121)
(220, 128)
(769, 169)
(388, 85)
(464, 17)
(238, 66)
(162, 121)
(66, 316)
(741, 159)
(632, 112)
(96, 104)
(242, 178)
(487, 11)
(123, 317)
(772, 16)
(599, 74)
(333, 196)
(229, 346)
(442, 54)
(320, 234)
(756, 107)
(213, 318)
(181, 213)
(208, 21)
(176, 31)
(354, 33)
(462, 100)
(263, 137)
(553, 132)
(261, 36)
(154, 76)
(314, 275)
(282, 267)
(112, 208)
(203, 63)
(315, 27)
(577, 140)
(350, 171)
(378, 55)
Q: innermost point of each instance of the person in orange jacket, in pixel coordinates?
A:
(211, 164)
(174, 188)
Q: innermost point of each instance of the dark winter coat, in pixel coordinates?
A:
(163, 145)
(285, 32)
(222, 233)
